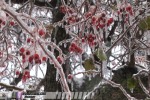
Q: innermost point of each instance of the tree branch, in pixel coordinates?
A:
(113, 84)
(14, 87)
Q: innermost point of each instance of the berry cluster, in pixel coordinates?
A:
(125, 11)
(26, 75)
(90, 38)
(29, 40)
(65, 9)
(90, 12)
(101, 20)
(4, 19)
(74, 48)
(73, 19)
(30, 57)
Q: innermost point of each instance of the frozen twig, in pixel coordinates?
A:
(140, 72)
(13, 87)
(143, 87)
(59, 68)
(113, 84)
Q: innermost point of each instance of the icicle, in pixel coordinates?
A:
(63, 96)
(65, 45)
(69, 80)
(94, 74)
(60, 43)
(59, 24)
(131, 90)
(89, 77)
(57, 75)
(67, 30)
(48, 39)
(30, 66)
(72, 86)
(36, 70)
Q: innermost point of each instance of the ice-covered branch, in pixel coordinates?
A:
(92, 92)
(16, 16)
(88, 72)
(144, 71)
(140, 72)
(142, 86)
(14, 87)
(59, 68)
(113, 84)
(122, 35)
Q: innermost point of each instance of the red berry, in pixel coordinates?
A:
(41, 32)
(24, 78)
(121, 10)
(73, 45)
(22, 50)
(72, 19)
(109, 21)
(100, 19)
(27, 52)
(3, 23)
(118, 12)
(63, 9)
(88, 14)
(31, 59)
(36, 56)
(79, 50)
(28, 40)
(70, 76)
(38, 61)
(90, 39)
(101, 25)
(131, 13)
(23, 56)
(59, 59)
(32, 41)
(26, 73)
(90, 35)
(93, 20)
(71, 49)
(83, 40)
(17, 72)
(129, 8)
(44, 58)
(103, 15)
(12, 23)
